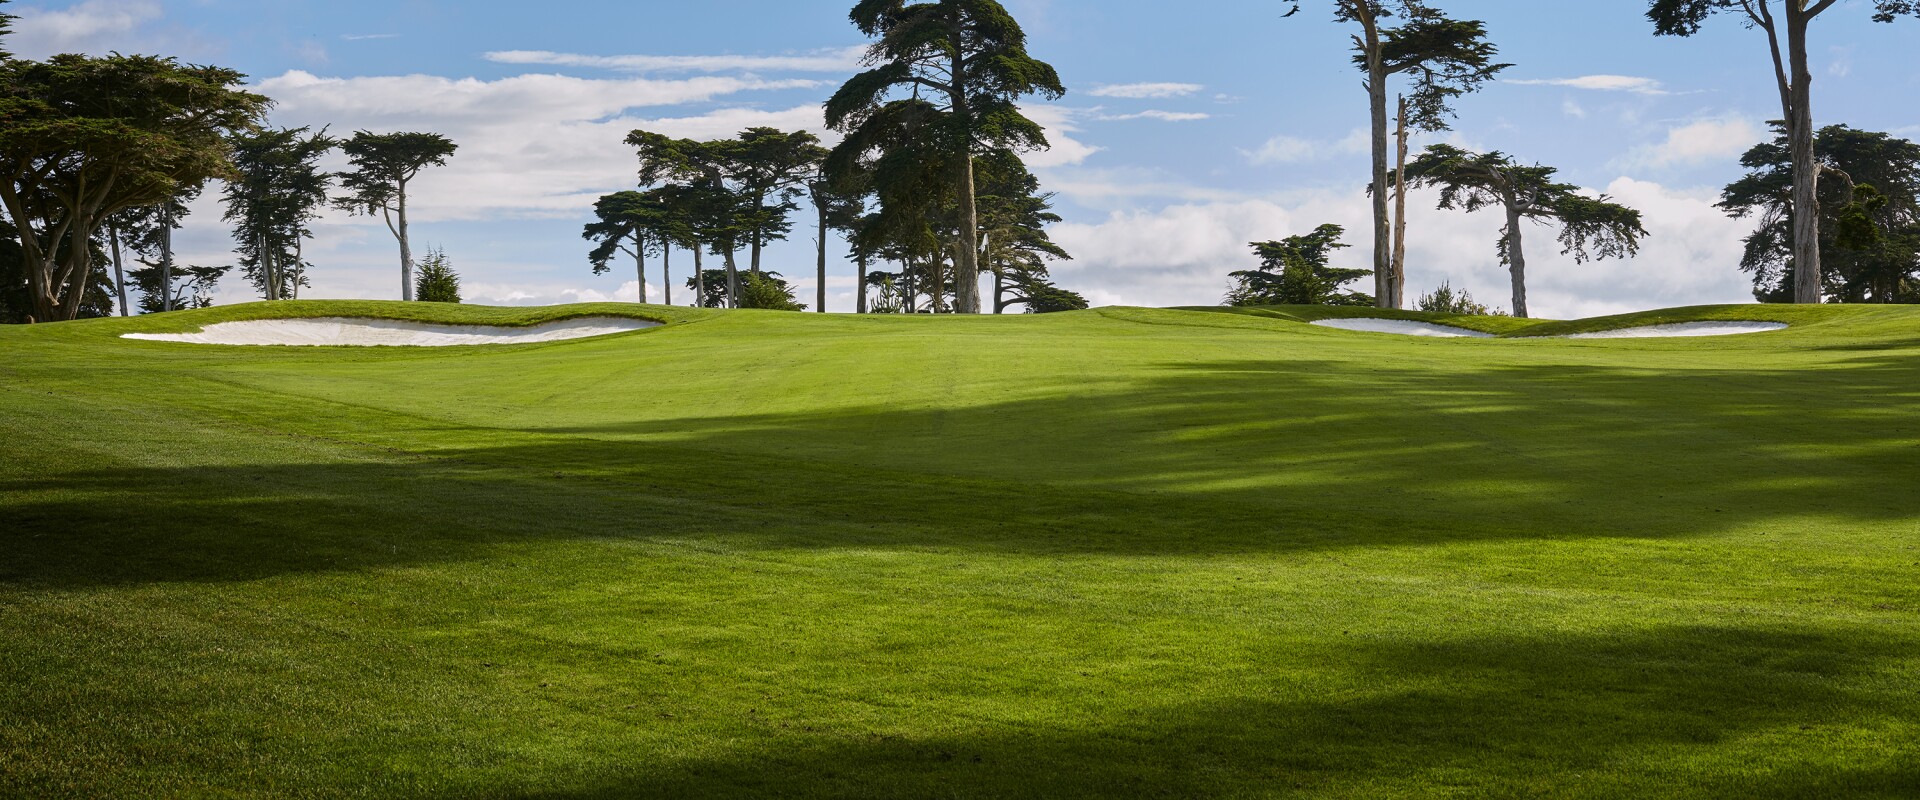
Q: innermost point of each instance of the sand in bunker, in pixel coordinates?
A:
(336, 331)
(1684, 329)
(1404, 327)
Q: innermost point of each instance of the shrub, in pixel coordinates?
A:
(1448, 300)
(766, 290)
(436, 282)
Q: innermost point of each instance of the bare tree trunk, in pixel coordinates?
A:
(820, 291)
(119, 272)
(1400, 212)
(699, 279)
(860, 291)
(640, 264)
(966, 252)
(1377, 107)
(666, 273)
(1807, 275)
(1516, 260)
(733, 279)
(999, 291)
(406, 249)
(166, 259)
(299, 264)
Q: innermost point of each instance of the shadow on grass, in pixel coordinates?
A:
(1687, 711)
(1237, 456)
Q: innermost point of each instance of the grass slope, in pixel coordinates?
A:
(1124, 552)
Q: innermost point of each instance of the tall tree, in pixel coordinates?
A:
(277, 192)
(1590, 227)
(184, 287)
(1878, 185)
(626, 222)
(1445, 58)
(971, 55)
(385, 164)
(83, 138)
(1786, 23)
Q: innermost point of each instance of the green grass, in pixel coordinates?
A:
(1117, 553)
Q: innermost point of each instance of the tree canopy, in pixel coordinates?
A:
(82, 138)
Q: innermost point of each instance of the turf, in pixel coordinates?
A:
(1117, 553)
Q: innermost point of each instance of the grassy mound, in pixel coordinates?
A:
(1123, 552)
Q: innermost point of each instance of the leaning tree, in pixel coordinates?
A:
(384, 165)
(1444, 58)
(1786, 23)
(83, 138)
(971, 57)
(1590, 227)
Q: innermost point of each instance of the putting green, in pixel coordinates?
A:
(1116, 553)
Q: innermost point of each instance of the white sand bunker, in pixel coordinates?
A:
(1405, 327)
(338, 331)
(1684, 329)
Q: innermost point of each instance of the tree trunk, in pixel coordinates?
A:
(166, 260)
(1516, 260)
(820, 291)
(666, 273)
(640, 264)
(1807, 275)
(759, 207)
(860, 290)
(1400, 212)
(733, 278)
(406, 249)
(1377, 106)
(999, 292)
(699, 279)
(966, 252)
(299, 264)
(119, 272)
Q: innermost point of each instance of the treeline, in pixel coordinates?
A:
(927, 181)
(104, 157)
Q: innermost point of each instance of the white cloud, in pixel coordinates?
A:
(1163, 116)
(1699, 142)
(362, 37)
(1602, 83)
(845, 59)
(1294, 150)
(1146, 91)
(1572, 109)
(94, 26)
(1059, 125)
(531, 145)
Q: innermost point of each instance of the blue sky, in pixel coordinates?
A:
(1189, 130)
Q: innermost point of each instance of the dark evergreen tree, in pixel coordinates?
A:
(277, 191)
(1295, 271)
